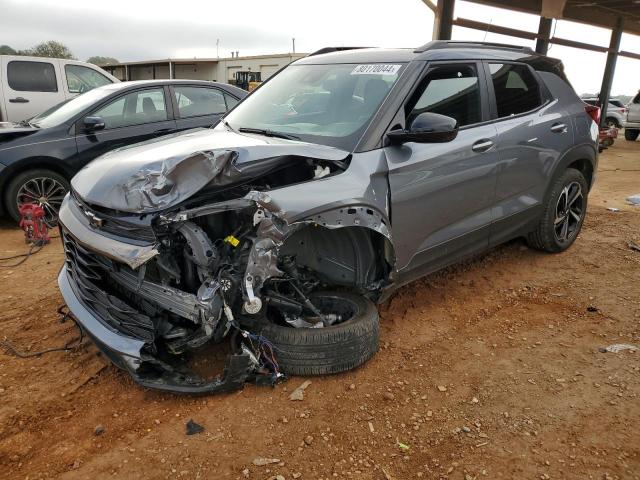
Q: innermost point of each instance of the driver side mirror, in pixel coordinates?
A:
(92, 124)
(427, 127)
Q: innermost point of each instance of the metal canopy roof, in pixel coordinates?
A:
(603, 13)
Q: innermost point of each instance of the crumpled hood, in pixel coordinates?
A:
(157, 174)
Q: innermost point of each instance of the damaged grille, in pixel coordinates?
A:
(111, 222)
(88, 272)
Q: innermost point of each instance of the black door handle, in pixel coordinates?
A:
(18, 100)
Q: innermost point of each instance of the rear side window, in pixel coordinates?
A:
(82, 79)
(135, 108)
(516, 89)
(199, 101)
(31, 76)
(451, 90)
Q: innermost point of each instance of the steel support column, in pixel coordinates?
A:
(609, 69)
(443, 23)
(544, 34)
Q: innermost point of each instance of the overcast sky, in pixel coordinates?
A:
(145, 29)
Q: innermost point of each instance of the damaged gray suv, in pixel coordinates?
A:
(348, 174)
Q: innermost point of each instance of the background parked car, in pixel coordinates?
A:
(632, 123)
(38, 157)
(31, 85)
(616, 111)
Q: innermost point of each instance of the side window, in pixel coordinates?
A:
(135, 108)
(231, 101)
(82, 79)
(451, 90)
(199, 101)
(24, 76)
(516, 89)
(637, 98)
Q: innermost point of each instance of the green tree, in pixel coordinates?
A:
(100, 61)
(7, 50)
(50, 49)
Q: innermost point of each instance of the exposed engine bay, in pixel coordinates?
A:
(221, 265)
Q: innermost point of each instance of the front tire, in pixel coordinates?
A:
(563, 215)
(41, 186)
(631, 135)
(332, 349)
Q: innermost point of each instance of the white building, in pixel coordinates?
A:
(214, 69)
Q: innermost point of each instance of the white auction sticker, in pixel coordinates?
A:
(376, 69)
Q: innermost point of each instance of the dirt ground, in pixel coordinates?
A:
(490, 369)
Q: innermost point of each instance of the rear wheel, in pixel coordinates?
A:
(42, 187)
(349, 342)
(611, 122)
(563, 215)
(631, 135)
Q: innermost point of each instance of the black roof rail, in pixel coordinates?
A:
(333, 49)
(438, 44)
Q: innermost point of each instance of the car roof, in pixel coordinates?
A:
(137, 83)
(436, 50)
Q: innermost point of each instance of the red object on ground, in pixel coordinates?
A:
(32, 222)
(606, 132)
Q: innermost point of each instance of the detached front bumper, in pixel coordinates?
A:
(128, 354)
(97, 311)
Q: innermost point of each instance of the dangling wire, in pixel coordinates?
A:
(70, 345)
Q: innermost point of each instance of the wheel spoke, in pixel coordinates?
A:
(576, 216)
(577, 194)
(564, 233)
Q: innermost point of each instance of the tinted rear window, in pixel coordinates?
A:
(31, 76)
(516, 89)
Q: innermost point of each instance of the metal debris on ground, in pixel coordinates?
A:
(613, 209)
(619, 347)
(633, 246)
(193, 428)
(634, 199)
(261, 461)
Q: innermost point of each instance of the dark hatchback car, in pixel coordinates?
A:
(38, 157)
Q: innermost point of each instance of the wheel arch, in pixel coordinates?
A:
(581, 157)
(30, 163)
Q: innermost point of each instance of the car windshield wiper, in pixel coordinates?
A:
(269, 133)
(26, 123)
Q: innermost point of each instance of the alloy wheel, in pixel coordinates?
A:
(46, 192)
(569, 212)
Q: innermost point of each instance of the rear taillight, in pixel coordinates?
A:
(593, 112)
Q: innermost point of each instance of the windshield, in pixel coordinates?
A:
(325, 104)
(68, 109)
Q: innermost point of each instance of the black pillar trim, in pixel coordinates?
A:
(609, 70)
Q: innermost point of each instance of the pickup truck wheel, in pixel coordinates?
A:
(563, 215)
(331, 349)
(630, 134)
(41, 186)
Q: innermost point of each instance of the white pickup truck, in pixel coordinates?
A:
(632, 125)
(31, 85)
